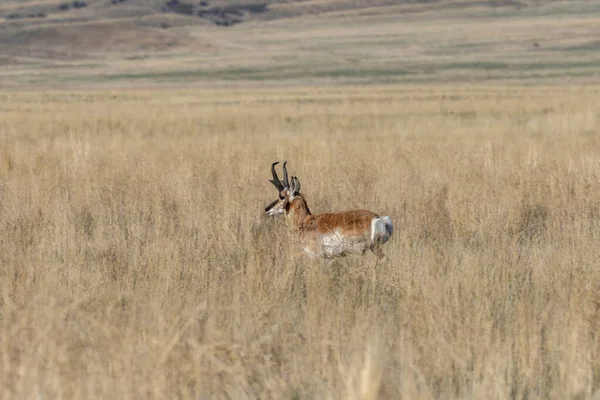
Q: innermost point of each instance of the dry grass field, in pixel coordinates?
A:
(136, 262)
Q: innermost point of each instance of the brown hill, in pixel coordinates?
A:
(79, 27)
(116, 42)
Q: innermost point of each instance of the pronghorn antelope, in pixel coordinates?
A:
(331, 234)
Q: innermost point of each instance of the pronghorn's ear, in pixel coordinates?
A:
(295, 185)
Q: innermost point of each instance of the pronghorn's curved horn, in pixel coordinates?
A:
(275, 181)
(286, 182)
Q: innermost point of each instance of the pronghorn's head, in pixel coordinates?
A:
(287, 191)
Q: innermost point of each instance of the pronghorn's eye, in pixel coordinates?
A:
(281, 197)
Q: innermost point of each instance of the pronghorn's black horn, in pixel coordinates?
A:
(286, 182)
(275, 181)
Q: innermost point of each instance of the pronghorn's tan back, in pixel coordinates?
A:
(352, 222)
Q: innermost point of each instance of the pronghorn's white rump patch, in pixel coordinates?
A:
(381, 229)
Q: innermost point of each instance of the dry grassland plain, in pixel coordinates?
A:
(137, 262)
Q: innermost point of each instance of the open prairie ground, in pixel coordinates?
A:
(136, 261)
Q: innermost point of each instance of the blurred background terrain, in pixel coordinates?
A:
(58, 43)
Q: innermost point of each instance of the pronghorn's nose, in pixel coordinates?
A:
(267, 208)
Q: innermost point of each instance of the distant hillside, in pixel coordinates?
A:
(76, 28)
(215, 42)
(217, 12)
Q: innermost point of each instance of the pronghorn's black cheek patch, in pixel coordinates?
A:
(287, 206)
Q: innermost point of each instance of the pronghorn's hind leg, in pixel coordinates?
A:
(376, 249)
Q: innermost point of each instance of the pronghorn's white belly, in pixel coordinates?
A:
(336, 244)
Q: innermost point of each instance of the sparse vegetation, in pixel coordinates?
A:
(137, 262)
(222, 16)
(230, 15)
(19, 16)
(178, 7)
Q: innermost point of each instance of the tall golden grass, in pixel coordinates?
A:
(136, 261)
